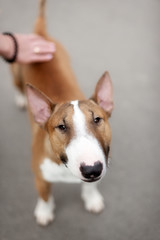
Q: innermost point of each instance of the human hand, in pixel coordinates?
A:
(31, 48)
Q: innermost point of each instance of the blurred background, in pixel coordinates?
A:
(119, 36)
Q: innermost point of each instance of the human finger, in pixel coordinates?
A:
(41, 57)
(44, 48)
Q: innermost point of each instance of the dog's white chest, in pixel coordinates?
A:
(53, 172)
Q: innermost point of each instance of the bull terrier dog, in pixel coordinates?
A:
(71, 134)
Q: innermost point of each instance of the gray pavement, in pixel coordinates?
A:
(122, 37)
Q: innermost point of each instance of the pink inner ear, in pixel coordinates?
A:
(105, 94)
(42, 112)
(107, 106)
(39, 106)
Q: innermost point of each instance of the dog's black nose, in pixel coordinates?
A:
(91, 172)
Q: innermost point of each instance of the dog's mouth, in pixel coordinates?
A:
(91, 179)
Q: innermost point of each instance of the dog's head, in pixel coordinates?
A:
(79, 131)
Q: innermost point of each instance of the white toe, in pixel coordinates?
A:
(44, 211)
(92, 198)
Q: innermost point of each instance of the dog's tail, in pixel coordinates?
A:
(40, 25)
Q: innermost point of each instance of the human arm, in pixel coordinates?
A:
(31, 48)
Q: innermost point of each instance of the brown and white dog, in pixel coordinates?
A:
(71, 135)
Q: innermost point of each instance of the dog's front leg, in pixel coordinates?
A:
(93, 200)
(45, 204)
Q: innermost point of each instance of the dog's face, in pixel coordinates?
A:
(79, 131)
(80, 136)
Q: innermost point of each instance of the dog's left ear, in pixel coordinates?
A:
(40, 105)
(103, 94)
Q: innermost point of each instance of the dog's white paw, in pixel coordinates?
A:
(92, 198)
(44, 212)
(21, 101)
(44, 219)
(94, 203)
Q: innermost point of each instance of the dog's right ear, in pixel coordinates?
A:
(40, 105)
(103, 94)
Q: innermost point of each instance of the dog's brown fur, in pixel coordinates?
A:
(57, 81)
(54, 78)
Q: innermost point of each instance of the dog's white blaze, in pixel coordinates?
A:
(78, 120)
(84, 147)
(52, 172)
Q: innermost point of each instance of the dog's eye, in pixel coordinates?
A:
(62, 127)
(97, 120)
